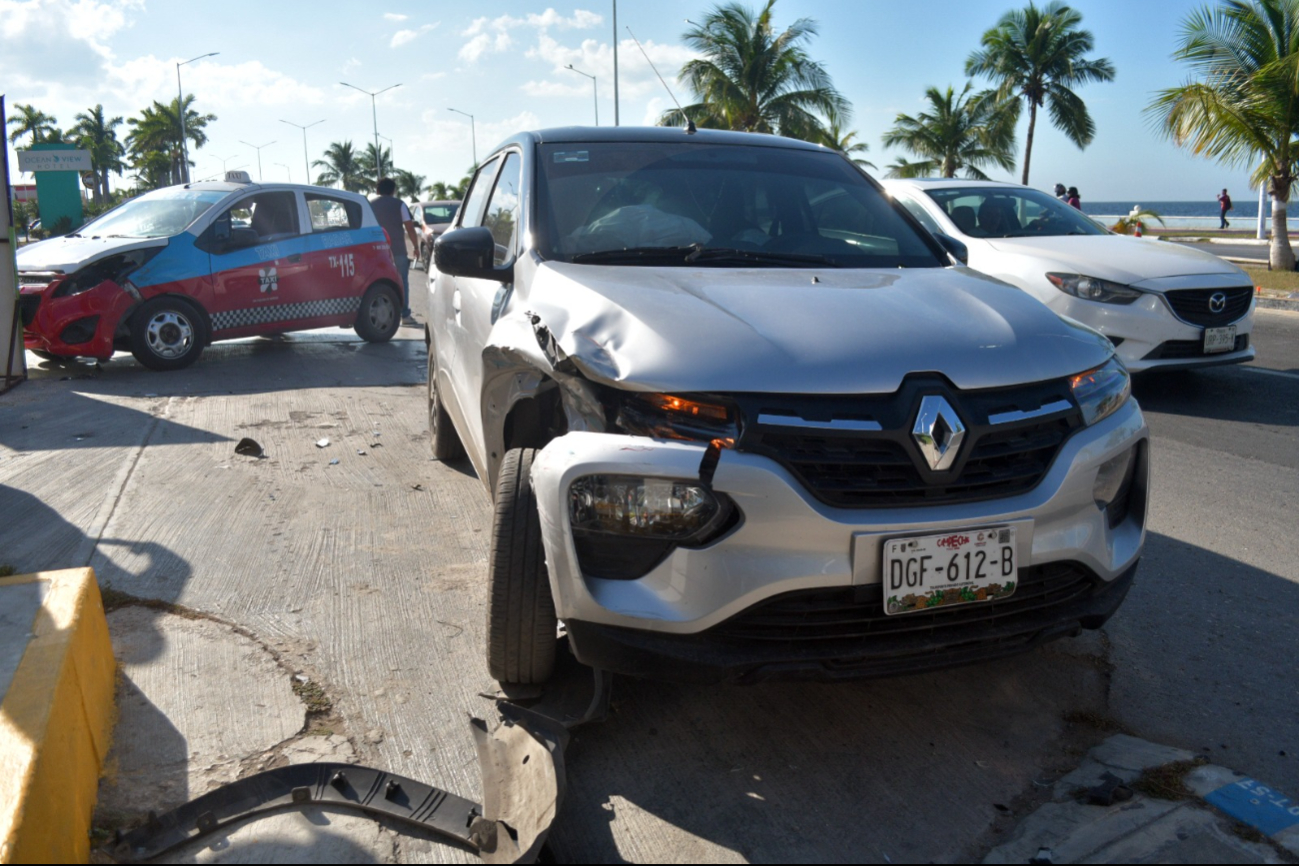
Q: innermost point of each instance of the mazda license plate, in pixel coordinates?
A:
(965, 567)
(1219, 339)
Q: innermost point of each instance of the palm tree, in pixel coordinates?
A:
(408, 183)
(959, 132)
(367, 162)
(1037, 55)
(158, 129)
(1243, 107)
(341, 166)
(30, 121)
(98, 135)
(753, 79)
(443, 191)
(846, 143)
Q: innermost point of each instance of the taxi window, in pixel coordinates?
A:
(472, 214)
(270, 214)
(502, 215)
(332, 214)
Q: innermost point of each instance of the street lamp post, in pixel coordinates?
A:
(392, 153)
(287, 174)
(615, 63)
(595, 94)
(306, 162)
(473, 134)
(375, 115)
(180, 110)
(258, 148)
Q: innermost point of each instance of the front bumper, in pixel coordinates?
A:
(789, 542)
(81, 325)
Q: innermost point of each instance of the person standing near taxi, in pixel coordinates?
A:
(395, 218)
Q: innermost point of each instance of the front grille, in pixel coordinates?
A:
(1192, 305)
(1183, 349)
(852, 468)
(857, 613)
(30, 304)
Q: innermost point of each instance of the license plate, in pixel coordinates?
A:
(932, 571)
(1219, 339)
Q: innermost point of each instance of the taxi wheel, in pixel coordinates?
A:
(167, 334)
(380, 314)
(442, 433)
(521, 621)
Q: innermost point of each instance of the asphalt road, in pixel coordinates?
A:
(368, 576)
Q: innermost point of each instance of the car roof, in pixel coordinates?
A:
(226, 186)
(579, 134)
(438, 201)
(948, 182)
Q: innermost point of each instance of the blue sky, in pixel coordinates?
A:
(504, 63)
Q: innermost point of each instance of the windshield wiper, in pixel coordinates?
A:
(634, 254)
(706, 255)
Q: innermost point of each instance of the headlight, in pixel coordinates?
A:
(115, 268)
(647, 507)
(1092, 289)
(665, 416)
(1102, 391)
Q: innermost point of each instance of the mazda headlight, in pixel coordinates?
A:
(1100, 392)
(1093, 289)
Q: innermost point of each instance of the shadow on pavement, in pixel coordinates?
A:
(1223, 393)
(69, 419)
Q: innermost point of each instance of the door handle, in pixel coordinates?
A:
(295, 258)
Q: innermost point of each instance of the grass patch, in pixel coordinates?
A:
(1168, 782)
(1096, 722)
(1282, 281)
(311, 694)
(7, 571)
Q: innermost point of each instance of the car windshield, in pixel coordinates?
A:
(700, 204)
(1014, 212)
(158, 214)
(436, 214)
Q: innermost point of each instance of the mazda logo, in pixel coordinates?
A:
(1218, 302)
(938, 431)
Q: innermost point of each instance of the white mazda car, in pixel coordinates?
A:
(1162, 305)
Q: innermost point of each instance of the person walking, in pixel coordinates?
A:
(1072, 199)
(395, 218)
(1060, 192)
(1224, 205)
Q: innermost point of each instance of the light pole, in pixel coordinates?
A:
(375, 115)
(288, 174)
(392, 153)
(224, 160)
(473, 134)
(615, 63)
(180, 110)
(258, 148)
(595, 94)
(306, 162)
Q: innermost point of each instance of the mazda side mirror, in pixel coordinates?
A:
(470, 253)
(954, 247)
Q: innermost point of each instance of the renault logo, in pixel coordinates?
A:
(1218, 302)
(938, 431)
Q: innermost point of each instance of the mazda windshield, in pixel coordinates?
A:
(158, 214)
(697, 204)
(996, 212)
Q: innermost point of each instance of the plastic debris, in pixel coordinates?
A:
(361, 451)
(333, 462)
(249, 448)
(322, 443)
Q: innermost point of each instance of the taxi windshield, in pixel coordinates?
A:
(157, 214)
(699, 204)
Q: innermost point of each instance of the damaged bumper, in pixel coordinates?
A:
(794, 585)
(83, 324)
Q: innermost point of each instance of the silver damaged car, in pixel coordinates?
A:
(742, 417)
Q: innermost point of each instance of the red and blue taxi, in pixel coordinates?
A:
(167, 273)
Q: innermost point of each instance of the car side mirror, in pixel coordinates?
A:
(470, 253)
(954, 247)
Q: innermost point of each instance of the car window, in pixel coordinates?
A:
(159, 214)
(1011, 212)
(477, 197)
(757, 204)
(332, 214)
(918, 212)
(270, 214)
(439, 214)
(502, 215)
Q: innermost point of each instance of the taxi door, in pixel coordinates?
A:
(259, 277)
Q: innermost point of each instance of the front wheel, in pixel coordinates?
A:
(521, 621)
(167, 334)
(380, 314)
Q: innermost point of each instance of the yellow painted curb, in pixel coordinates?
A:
(55, 723)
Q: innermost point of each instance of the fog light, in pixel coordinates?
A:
(1113, 484)
(646, 507)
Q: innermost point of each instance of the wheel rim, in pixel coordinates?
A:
(432, 396)
(169, 334)
(382, 312)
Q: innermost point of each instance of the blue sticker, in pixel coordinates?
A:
(1257, 805)
(572, 156)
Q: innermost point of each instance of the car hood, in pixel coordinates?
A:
(802, 331)
(69, 254)
(1115, 257)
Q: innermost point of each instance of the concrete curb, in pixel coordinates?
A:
(1277, 304)
(56, 714)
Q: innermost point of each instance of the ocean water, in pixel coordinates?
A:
(1191, 214)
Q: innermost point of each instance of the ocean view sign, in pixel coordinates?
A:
(54, 160)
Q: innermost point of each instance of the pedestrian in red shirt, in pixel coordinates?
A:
(1224, 205)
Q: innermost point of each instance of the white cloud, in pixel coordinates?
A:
(482, 42)
(555, 88)
(635, 77)
(394, 16)
(351, 64)
(403, 37)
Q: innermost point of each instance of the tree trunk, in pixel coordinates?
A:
(103, 184)
(1280, 255)
(1028, 143)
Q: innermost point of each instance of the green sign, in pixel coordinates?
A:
(58, 193)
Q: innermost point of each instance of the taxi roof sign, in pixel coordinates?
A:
(238, 177)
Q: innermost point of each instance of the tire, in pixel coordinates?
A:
(442, 433)
(521, 622)
(380, 314)
(167, 334)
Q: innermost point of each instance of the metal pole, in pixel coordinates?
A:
(258, 148)
(1262, 200)
(615, 64)
(306, 160)
(473, 134)
(180, 110)
(594, 91)
(374, 110)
